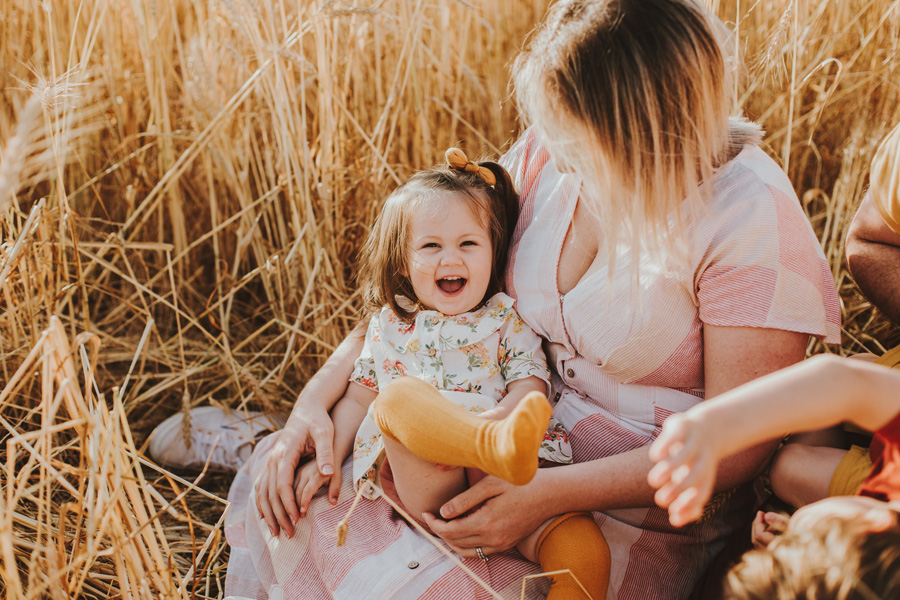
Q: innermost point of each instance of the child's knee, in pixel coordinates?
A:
(800, 474)
(398, 395)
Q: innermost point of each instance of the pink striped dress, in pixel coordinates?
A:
(620, 365)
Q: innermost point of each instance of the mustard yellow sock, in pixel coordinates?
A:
(573, 541)
(412, 412)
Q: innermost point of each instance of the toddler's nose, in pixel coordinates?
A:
(451, 257)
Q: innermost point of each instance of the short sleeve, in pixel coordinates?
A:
(364, 372)
(525, 161)
(521, 354)
(884, 179)
(762, 264)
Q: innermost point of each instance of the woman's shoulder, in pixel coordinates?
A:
(752, 191)
(753, 166)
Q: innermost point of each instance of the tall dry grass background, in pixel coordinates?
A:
(184, 185)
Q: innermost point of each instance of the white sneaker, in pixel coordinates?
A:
(225, 439)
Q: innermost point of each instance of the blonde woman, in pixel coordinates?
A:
(664, 259)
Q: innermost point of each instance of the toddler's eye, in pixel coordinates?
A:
(430, 245)
(469, 243)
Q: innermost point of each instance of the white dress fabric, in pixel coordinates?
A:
(620, 366)
(470, 358)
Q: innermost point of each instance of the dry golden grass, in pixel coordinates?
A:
(188, 182)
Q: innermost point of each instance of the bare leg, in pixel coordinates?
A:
(801, 474)
(422, 485)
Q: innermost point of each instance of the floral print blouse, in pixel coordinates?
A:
(469, 357)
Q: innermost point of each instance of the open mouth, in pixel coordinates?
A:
(451, 285)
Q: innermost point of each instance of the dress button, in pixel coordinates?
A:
(413, 565)
(570, 373)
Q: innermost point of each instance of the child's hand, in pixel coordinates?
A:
(685, 469)
(766, 527)
(307, 482)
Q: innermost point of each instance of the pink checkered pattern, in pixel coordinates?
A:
(622, 365)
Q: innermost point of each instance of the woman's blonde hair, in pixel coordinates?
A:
(642, 88)
(832, 561)
(384, 259)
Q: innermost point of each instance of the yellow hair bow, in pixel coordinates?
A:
(458, 160)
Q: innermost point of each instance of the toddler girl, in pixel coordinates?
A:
(450, 376)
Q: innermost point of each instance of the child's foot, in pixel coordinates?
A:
(225, 439)
(516, 440)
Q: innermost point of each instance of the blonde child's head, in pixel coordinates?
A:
(487, 193)
(849, 550)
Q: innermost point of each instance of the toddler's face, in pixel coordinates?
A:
(450, 256)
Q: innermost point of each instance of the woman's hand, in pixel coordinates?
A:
(499, 516)
(309, 431)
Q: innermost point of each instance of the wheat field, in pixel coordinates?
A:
(184, 186)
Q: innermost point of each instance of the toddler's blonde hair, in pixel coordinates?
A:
(384, 259)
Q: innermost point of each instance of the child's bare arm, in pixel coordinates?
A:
(516, 390)
(347, 415)
(817, 393)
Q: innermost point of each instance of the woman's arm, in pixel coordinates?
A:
(504, 514)
(309, 430)
(733, 356)
(873, 254)
(822, 391)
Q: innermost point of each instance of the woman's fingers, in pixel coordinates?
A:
(284, 461)
(263, 506)
(282, 498)
(454, 532)
(269, 506)
(482, 491)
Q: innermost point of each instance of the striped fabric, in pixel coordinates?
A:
(621, 366)
(382, 558)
